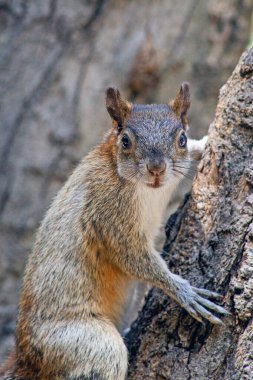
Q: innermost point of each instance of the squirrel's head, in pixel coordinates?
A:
(151, 139)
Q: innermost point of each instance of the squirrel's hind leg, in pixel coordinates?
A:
(90, 350)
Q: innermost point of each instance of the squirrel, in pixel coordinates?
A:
(97, 237)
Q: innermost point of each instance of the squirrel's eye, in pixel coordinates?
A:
(126, 143)
(182, 140)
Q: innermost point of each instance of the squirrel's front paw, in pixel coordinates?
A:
(197, 147)
(195, 301)
(202, 142)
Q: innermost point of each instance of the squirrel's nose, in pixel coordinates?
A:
(156, 169)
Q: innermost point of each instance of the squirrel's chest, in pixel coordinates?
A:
(153, 204)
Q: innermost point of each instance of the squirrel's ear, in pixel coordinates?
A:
(181, 103)
(117, 107)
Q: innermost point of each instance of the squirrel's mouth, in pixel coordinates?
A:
(155, 184)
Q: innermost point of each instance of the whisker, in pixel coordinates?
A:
(188, 168)
(184, 175)
(183, 166)
(190, 159)
(183, 169)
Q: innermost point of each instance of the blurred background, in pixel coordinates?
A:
(56, 59)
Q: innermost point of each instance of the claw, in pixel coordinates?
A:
(206, 314)
(194, 314)
(207, 293)
(212, 306)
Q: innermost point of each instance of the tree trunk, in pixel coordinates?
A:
(210, 244)
(56, 58)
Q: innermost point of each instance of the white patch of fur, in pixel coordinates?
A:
(153, 206)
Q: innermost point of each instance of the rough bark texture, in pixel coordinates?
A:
(211, 244)
(56, 58)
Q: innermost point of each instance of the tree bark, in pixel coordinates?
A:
(210, 244)
(56, 59)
